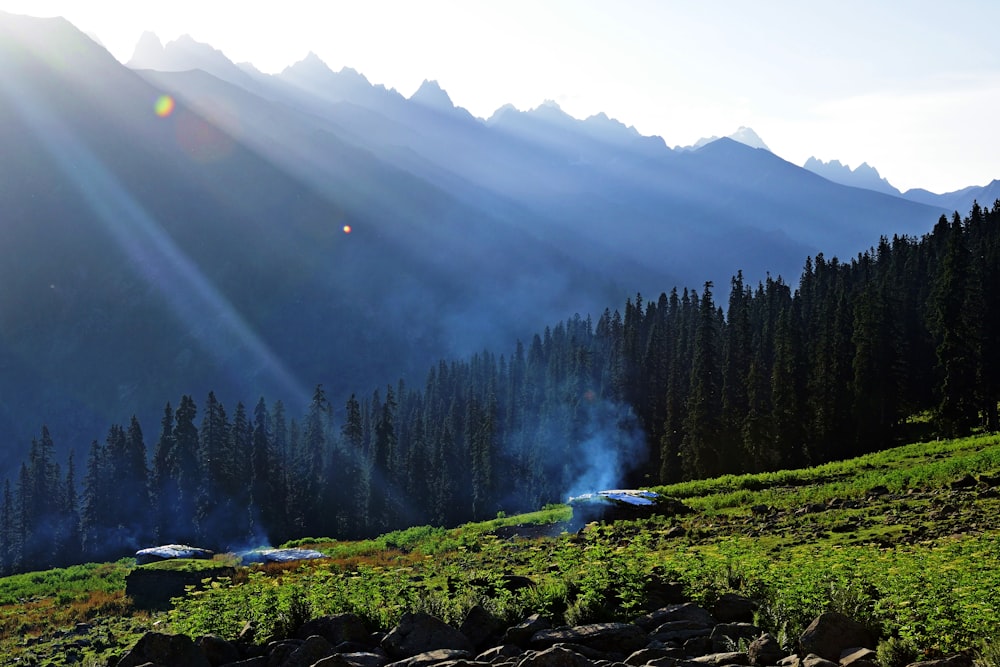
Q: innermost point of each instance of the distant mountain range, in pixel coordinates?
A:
(865, 176)
(145, 255)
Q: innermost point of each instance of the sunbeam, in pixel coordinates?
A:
(204, 311)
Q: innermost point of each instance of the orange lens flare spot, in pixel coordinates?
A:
(347, 229)
(164, 106)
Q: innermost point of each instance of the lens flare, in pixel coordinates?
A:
(164, 106)
(347, 229)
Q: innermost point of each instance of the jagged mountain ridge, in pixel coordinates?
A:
(465, 233)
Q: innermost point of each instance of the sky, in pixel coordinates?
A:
(912, 87)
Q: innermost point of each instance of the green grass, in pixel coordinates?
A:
(920, 565)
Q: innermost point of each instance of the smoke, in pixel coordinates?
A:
(611, 444)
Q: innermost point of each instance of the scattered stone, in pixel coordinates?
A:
(170, 552)
(432, 658)
(765, 650)
(500, 653)
(420, 633)
(813, 660)
(831, 633)
(858, 657)
(957, 660)
(726, 636)
(161, 649)
(687, 611)
(557, 656)
(521, 634)
(733, 608)
(217, 650)
(335, 629)
(726, 658)
(480, 626)
(607, 637)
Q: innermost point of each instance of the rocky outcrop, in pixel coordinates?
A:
(152, 588)
(677, 635)
(420, 640)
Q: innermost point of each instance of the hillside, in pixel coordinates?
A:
(146, 256)
(904, 541)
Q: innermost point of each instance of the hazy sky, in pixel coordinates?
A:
(910, 86)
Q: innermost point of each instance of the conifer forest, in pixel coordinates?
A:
(900, 341)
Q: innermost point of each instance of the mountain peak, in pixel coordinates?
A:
(746, 135)
(431, 94)
(148, 53)
(743, 135)
(863, 176)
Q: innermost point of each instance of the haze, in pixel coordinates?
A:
(906, 86)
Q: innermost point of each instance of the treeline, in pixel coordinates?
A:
(667, 390)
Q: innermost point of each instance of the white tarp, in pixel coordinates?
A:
(170, 551)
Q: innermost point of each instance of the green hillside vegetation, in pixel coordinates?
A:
(906, 540)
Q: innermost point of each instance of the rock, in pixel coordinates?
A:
(687, 611)
(336, 629)
(858, 657)
(521, 634)
(967, 482)
(312, 650)
(432, 658)
(161, 649)
(727, 636)
(500, 653)
(727, 658)
(813, 660)
(830, 633)
(557, 656)
(420, 633)
(218, 650)
(480, 626)
(153, 588)
(698, 646)
(169, 552)
(259, 661)
(765, 650)
(622, 638)
(279, 651)
(957, 660)
(359, 659)
(646, 655)
(733, 608)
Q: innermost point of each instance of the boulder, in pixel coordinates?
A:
(336, 629)
(500, 653)
(162, 649)
(311, 651)
(733, 608)
(218, 650)
(435, 657)
(687, 611)
(646, 655)
(813, 660)
(765, 650)
(481, 627)
(360, 659)
(521, 634)
(420, 633)
(557, 656)
(831, 633)
(153, 588)
(724, 658)
(957, 660)
(624, 638)
(858, 657)
(727, 636)
(170, 552)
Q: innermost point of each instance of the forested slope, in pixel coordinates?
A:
(901, 338)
